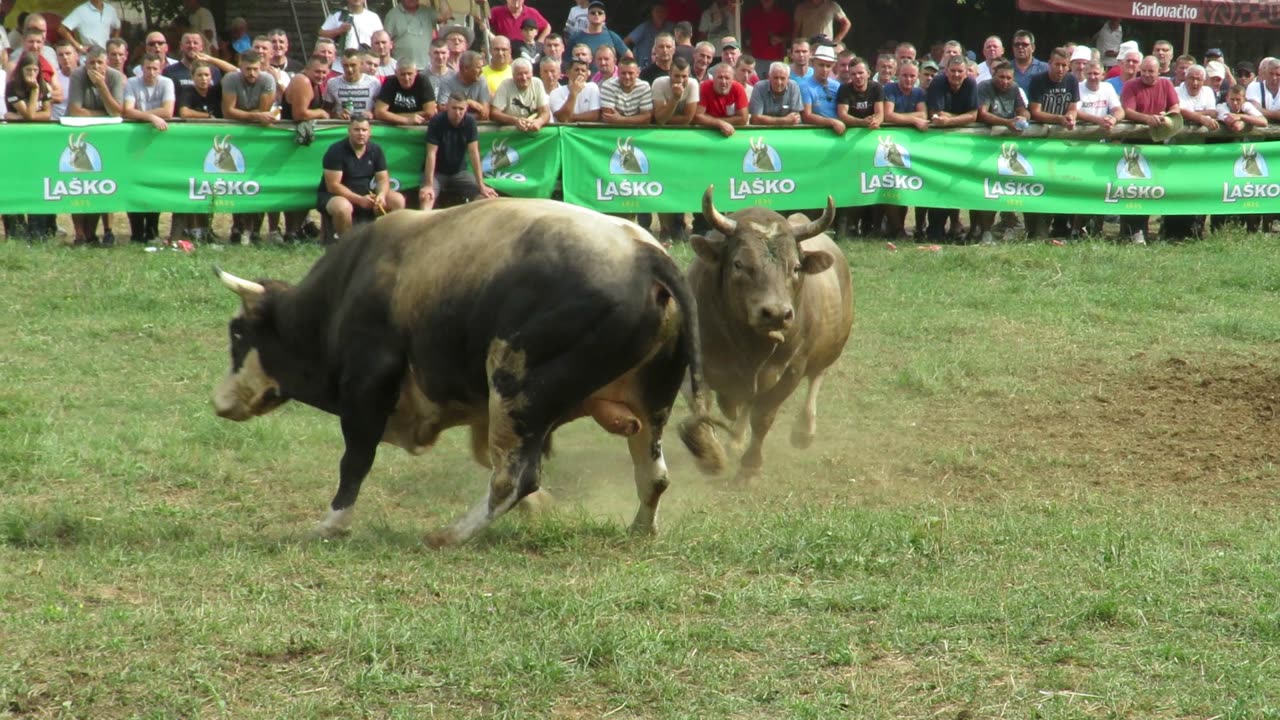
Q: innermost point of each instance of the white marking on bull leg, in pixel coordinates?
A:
(336, 523)
(651, 479)
(738, 430)
(807, 423)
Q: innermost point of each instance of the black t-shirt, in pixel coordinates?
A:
(401, 100)
(861, 104)
(357, 172)
(940, 96)
(192, 100)
(451, 142)
(1054, 97)
(652, 72)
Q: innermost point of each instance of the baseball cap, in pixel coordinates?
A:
(1244, 66)
(1081, 53)
(529, 23)
(1215, 69)
(595, 4)
(1213, 52)
(825, 52)
(928, 65)
(730, 44)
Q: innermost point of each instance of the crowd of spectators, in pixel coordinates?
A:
(444, 65)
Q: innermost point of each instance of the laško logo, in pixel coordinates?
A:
(224, 159)
(760, 158)
(79, 157)
(894, 159)
(1012, 164)
(627, 160)
(497, 163)
(1250, 166)
(1133, 166)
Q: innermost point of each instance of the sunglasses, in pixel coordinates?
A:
(1022, 44)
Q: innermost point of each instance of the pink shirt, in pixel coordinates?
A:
(1148, 99)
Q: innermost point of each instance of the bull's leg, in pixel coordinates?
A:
(368, 399)
(650, 472)
(739, 414)
(807, 422)
(763, 412)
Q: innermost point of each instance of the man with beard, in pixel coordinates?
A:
(723, 102)
(356, 183)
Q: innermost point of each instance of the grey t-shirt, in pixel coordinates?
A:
(765, 102)
(149, 98)
(85, 94)
(248, 97)
(478, 90)
(1001, 104)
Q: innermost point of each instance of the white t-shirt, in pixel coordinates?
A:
(1246, 109)
(1262, 98)
(4, 82)
(363, 26)
(60, 109)
(520, 103)
(577, 21)
(202, 20)
(1108, 39)
(94, 25)
(1204, 101)
(662, 93)
(361, 93)
(1098, 102)
(587, 100)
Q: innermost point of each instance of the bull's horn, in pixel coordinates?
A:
(246, 289)
(820, 225)
(727, 226)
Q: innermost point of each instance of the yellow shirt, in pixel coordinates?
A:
(494, 78)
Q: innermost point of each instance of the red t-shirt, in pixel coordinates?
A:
(1148, 99)
(684, 10)
(759, 24)
(722, 106)
(502, 22)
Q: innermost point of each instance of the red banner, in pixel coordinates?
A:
(1228, 13)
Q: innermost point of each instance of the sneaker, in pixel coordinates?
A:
(108, 239)
(987, 239)
(1139, 238)
(246, 238)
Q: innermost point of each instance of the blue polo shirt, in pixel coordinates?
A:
(1023, 79)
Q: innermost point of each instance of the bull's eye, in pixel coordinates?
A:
(737, 265)
(796, 270)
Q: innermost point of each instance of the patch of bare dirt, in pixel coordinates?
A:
(1208, 425)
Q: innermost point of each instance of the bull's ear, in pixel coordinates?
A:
(812, 263)
(708, 249)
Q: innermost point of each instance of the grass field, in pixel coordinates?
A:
(1042, 488)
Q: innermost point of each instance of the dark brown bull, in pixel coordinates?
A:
(775, 306)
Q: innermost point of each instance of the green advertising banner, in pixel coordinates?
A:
(652, 170)
(203, 167)
(209, 167)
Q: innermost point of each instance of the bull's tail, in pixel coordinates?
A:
(697, 431)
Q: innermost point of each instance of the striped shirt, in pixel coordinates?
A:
(639, 100)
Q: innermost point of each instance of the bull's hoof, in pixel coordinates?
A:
(746, 476)
(801, 437)
(643, 529)
(538, 502)
(440, 539)
(322, 531)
